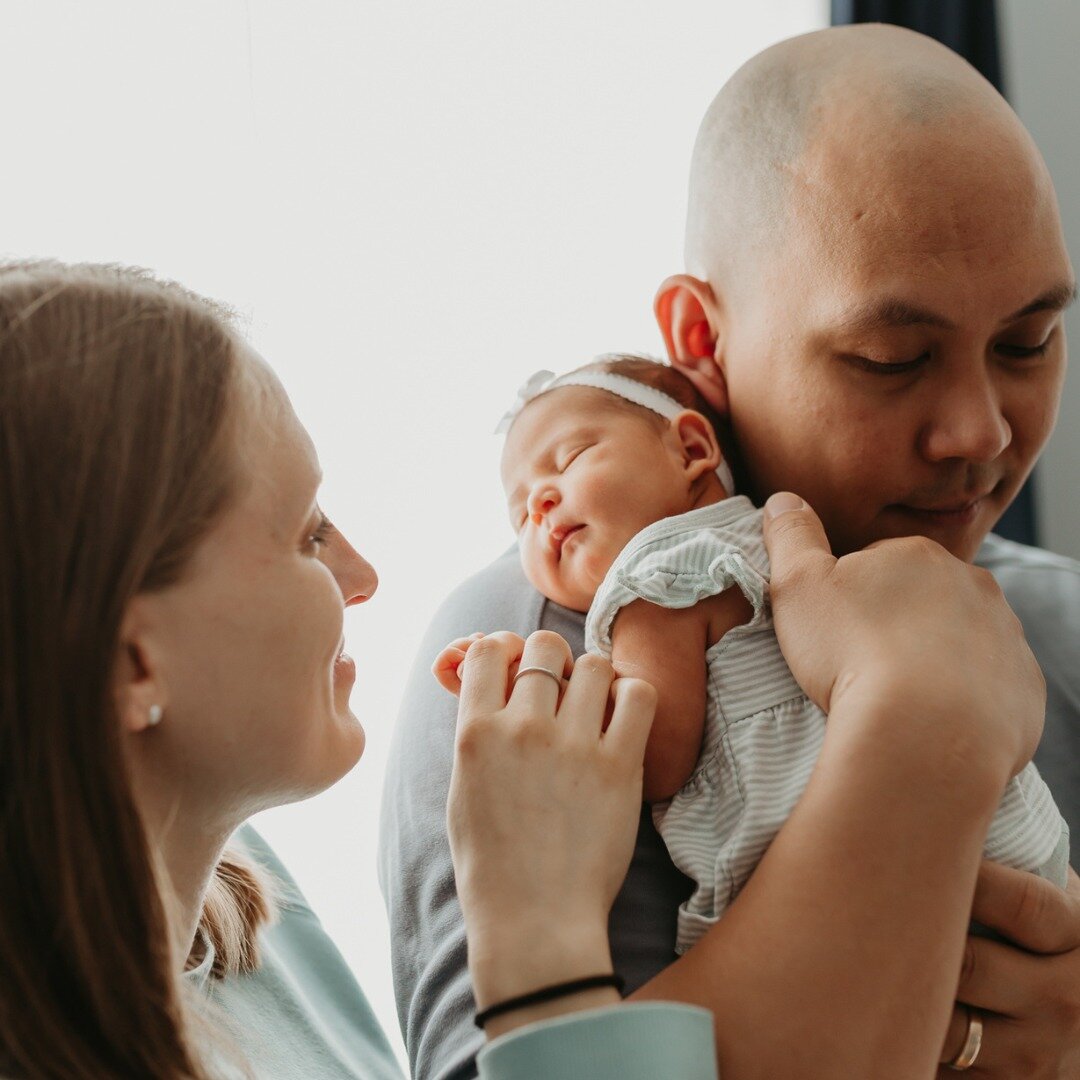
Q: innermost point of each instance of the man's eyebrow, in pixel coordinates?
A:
(1056, 299)
(892, 312)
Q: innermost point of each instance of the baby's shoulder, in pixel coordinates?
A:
(694, 541)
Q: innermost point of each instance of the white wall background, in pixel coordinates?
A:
(1043, 83)
(416, 204)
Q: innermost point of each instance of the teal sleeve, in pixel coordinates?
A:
(630, 1042)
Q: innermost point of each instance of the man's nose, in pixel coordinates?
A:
(542, 500)
(968, 421)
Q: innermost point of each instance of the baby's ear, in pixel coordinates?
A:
(698, 442)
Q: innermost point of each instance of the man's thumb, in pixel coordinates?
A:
(794, 535)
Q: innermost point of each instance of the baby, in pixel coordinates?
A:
(624, 508)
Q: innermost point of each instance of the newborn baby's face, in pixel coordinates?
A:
(583, 473)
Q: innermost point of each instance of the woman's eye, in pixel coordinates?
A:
(887, 367)
(320, 534)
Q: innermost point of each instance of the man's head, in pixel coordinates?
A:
(876, 273)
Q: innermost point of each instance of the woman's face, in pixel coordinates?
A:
(248, 647)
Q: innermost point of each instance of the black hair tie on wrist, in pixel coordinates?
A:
(549, 993)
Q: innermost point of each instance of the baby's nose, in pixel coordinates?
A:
(542, 501)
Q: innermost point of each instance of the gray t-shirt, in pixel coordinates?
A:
(431, 980)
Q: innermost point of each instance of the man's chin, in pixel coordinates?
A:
(960, 534)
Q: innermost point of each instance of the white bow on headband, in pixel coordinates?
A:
(619, 385)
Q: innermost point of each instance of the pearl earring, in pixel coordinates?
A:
(154, 716)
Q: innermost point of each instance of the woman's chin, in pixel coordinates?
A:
(350, 740)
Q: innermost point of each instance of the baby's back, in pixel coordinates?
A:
(761, 735)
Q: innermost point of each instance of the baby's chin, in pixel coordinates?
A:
(566, 593)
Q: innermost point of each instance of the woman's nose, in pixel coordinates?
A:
(364, 582)
(355, 576)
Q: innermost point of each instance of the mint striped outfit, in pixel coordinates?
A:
(762, 735)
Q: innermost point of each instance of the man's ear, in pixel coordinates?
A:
(137, 681)
(688, 315)
(697, 440)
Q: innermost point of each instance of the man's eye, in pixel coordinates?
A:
(1023, 352)
(887, 367)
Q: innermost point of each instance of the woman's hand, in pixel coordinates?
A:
(905, 622)
(543, 814)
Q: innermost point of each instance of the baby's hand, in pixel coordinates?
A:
(446, 665)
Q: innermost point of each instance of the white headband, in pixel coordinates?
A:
(619, 385)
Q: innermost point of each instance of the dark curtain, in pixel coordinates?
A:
(970, 28)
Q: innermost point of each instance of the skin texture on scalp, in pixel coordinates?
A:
(876, 279)
(752, 140)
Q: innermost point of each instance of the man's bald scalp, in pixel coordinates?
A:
(767, 114)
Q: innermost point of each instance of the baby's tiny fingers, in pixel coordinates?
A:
(446, 669)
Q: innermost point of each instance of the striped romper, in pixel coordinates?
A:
(762, 735)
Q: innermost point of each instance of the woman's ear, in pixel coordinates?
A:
(698, 444)
(140, 694)
(688, 315)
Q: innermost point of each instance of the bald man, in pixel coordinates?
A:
(874, 292)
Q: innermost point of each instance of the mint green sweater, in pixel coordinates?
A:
(302, 1016)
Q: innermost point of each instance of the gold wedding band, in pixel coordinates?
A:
(972, 1044)
(541, 671)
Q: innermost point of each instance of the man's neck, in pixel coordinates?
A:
(711, 491)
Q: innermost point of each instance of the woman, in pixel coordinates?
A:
(171, 662)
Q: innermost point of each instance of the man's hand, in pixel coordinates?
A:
(1029, 993)
(905, 622)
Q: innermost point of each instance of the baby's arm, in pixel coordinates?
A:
(666, 647)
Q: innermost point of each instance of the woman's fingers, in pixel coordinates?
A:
(631, 720)
(585, 702)
(484, 673)
(536, 693)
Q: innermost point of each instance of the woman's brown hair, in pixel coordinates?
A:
(116, 455)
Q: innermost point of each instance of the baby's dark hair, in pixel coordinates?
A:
(675, 384)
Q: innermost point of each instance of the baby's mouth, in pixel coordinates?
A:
(559, 535)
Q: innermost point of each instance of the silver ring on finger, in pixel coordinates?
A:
(536, 669)
(972, 1043)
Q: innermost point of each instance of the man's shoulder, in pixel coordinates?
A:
(1033, 579)
(1044, 590)
(1007, 557)
(498, 597)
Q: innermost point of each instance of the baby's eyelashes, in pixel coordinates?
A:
(572, 456)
